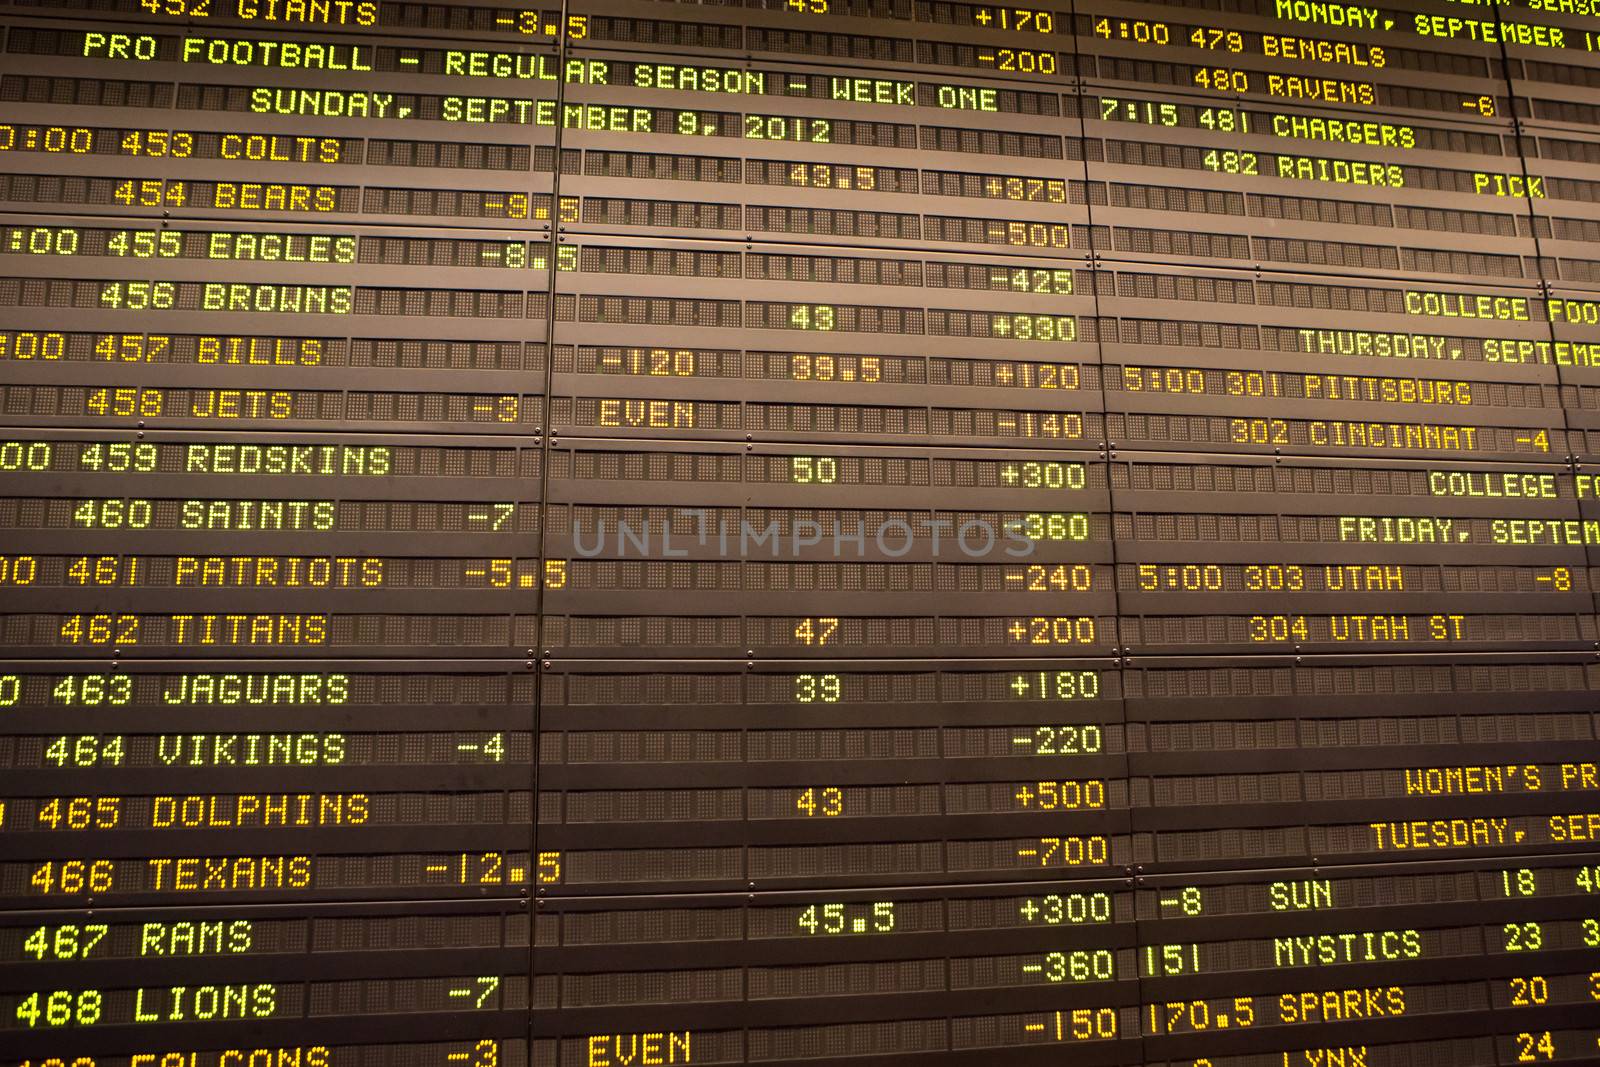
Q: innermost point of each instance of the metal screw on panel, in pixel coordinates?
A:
(547, 664)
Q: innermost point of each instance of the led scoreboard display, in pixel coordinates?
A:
(812, 532)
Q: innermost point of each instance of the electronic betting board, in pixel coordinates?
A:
(826, 532)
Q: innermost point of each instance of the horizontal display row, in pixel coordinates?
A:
(141, 783)
(293, 249)
(1288, 46)
(1478, 957)
(1285, 233)
(290, 271)
(1018, 553)
(1084, 362)
(1325, 151)
(1321, 211)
